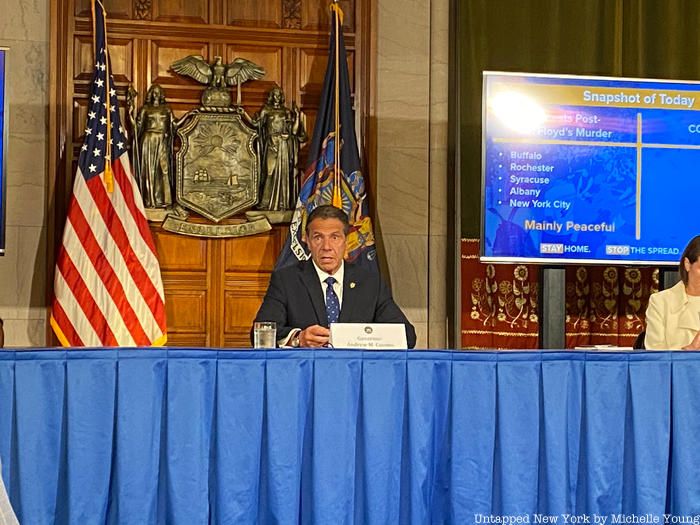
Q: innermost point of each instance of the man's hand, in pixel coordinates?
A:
(314, 336)
(694, 344)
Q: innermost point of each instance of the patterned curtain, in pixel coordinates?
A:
(604, 304)
(499, 302)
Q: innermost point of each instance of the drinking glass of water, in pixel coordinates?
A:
(265, 334)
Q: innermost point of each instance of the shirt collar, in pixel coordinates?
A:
(338, 275)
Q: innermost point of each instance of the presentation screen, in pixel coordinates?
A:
(589, 169)
(3, 143)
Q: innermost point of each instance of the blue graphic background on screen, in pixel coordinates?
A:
(670, 208)
(670, 126)
(599, 181)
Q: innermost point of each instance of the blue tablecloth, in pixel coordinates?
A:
(326, 437)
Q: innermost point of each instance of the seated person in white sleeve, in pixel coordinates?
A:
(673, 315)
(7, 513)
(304, 298)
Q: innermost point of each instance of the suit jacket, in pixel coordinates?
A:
(294, 299)
(671, 323)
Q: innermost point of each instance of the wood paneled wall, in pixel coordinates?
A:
(213, 286)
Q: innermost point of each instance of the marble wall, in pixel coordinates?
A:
(410, 114)
(24, 28)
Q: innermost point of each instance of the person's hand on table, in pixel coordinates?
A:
(314, 336)
(694, 344)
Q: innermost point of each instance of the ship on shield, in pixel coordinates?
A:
(217, 166)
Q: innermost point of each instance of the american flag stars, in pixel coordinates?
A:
(94, 150)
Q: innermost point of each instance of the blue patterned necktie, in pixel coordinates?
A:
(332, 302)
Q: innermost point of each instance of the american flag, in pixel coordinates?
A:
(108, 289)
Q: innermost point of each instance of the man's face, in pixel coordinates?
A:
(326, 240)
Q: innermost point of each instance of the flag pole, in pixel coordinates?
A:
(337, 20)
(109, 176)
(94, 31)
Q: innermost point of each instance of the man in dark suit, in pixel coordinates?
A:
(303, 299)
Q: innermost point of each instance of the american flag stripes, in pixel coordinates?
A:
(108, 289)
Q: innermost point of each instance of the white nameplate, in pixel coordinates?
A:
(369, 336)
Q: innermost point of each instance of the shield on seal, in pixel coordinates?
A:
(217, 167)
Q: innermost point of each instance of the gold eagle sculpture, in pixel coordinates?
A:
(219, 75)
